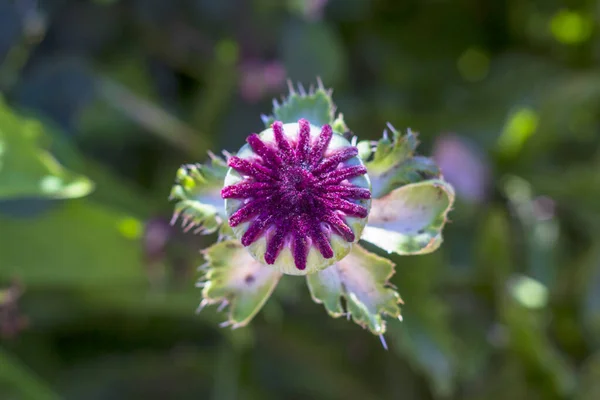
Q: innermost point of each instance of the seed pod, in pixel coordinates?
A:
(297, 196)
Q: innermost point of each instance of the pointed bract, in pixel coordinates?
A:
(199, 206)
(236, 280)
(361, 279)
(391, 162)
(410, 219)
(316, 106)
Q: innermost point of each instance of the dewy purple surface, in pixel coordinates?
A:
(294, 188)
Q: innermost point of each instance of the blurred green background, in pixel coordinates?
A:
(97, 293)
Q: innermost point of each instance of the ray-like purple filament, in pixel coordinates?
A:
(295, 192)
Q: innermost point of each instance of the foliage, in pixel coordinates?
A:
(120, 93)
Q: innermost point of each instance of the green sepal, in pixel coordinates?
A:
(233, 278)
(27, 169)
(410, 219)
(316, 106)
(391, 161)
(361, 279)
(197, 190)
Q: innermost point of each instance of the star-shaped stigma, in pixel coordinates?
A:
(297, 191)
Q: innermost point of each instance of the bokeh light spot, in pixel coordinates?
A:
(528, 292)
(50, 184)
(570, 27)
(519, 127)
(130, 228)
(473, 64)
(227, 51)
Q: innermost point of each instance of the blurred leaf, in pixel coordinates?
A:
(541, 230)
(314, 368)
(421, 345)
(529, 340)
(221, 78)
(505, 379)
(59, 88)
(361, 280)
(226, 384)
(10, 28)
(183, 373)
(150, 116)
(111, 189)
(26, 170)
(589, 385)
(17, 380)
(493, 255)
(575, 188)
(425, 337)
(589, 284)
(100, 121)
(52, 249)
(311, 50)
(519, 127)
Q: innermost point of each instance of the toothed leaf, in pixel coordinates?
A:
(198, 191)
(26, 169)
(392, 163)
(316, 106)
(410, 219)
(361, 279)
(234, 277)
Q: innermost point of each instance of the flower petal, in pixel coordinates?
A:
(198, 193)
(236, 279)
(410, 219)
(362, 280)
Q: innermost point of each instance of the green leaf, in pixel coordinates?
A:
(528, 339)
(391, 162)
(198, 191)
(236, 279)
(589, 387)
(422, 344)
(361, 279)
(316, 107)
(426, 338)
(27, 170)
(410, 219)
(75, 244)
(312, 49)
(20, 381)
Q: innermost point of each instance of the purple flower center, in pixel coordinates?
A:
(296, 193)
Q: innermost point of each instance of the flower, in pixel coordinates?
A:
(297, 196)
(297, 199)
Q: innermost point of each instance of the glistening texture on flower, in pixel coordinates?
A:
(298, 197)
